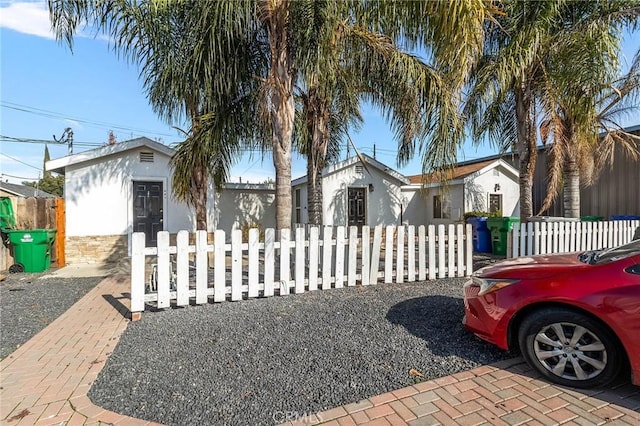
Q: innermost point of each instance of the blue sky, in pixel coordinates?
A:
(46, 88)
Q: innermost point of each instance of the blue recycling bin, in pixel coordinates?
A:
(625, 217)
(481, 234)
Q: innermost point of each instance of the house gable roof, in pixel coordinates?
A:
(466, 171)
(352, 161)
(24, 190)
(58, 165)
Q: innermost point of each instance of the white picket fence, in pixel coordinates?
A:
(564, 237)
(326, 258)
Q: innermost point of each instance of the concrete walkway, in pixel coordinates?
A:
(45, 382)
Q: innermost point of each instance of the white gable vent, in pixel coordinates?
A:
(146, 157)
(359, 169)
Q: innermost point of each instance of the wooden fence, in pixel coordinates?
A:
(314, 259)
(37, 213)
(565, 237)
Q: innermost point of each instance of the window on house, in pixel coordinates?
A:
(441, 207)
(298, 205)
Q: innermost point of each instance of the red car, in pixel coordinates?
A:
(574, 317)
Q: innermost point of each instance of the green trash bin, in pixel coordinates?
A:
(591, 218)
(31, 247)
(500, 227)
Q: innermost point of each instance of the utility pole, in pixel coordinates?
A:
(66, 137)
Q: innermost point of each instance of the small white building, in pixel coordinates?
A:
(118, 189)
(363, 191)
(354, 192)
(115, 190)
(481, 186)
(246, 205)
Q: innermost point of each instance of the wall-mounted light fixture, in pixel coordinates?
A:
(496, 188)
(370, 187)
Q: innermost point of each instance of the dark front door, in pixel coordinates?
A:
(495, 203)
(357, 206)
(147, 210)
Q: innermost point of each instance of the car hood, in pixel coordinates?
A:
(533, 267)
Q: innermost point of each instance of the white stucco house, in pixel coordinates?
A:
(115, 190)
(354, 192)
(482, 185)
(374, 194)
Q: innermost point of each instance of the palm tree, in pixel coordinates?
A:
(278, 29)
(502, 102)
(214, 94)
(516, 78)
(352, 61)
(583, 129)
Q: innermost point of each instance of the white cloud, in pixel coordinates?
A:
(33, 18)
(27, 18)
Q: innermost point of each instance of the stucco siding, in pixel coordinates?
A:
(243, 207)
(493, 181)
(383, 196)
(99, 195)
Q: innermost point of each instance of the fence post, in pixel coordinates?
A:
(422, 253)
(352, 259)
(469, 249)
(182, 268)
(326, 257)
(254, 261)
(300, 260)
(375, 255)
(164, 270)
(388, 253)
(366, 259)
(220, 267)
(314, 256)
(269, 260)
(202, 260)
(137, 274)
(285, 262)
(236, 264)
(400, 256)
(442, 241)
(340, 256)
(411, 253)
(431, 241)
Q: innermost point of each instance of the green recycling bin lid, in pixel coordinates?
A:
(7, 218)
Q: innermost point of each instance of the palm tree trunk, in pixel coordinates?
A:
(571, 184)
(314, 192)
(526, 147)
(317, 120)
(281, 105)
(200, 196)
(200, 176)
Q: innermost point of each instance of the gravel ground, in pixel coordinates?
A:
(257, 361)
(30, 302)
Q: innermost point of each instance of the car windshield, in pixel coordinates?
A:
(610, 255)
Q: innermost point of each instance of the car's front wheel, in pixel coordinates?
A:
(569, 348)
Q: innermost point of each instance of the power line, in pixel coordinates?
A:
(45, 141)
(52, 114)
(18, 177)
(19, 161)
